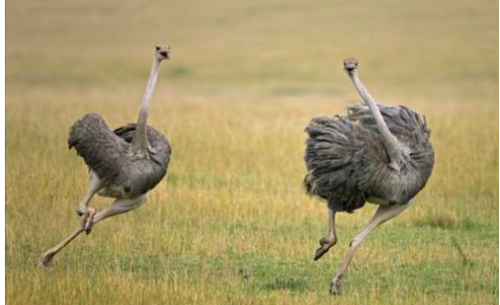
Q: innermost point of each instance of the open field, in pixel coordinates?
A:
(231, 224)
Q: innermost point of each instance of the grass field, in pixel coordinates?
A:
(231, 223)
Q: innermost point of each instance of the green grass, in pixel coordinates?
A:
(231, 224)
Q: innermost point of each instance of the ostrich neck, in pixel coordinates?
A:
(391, 143)
(140, 139)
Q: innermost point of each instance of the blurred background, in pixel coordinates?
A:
(231, 222)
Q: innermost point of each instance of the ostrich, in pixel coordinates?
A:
(380, 154)
(124, 164)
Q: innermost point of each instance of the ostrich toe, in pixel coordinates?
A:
(336, 286)
(88, 220)
(325, 245)
(46, 259)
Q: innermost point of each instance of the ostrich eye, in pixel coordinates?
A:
(157, 48)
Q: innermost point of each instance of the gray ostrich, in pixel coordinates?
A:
(377, 154)
(124, 164)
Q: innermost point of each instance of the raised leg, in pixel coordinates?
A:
(94, 187)
(330, 239)
(383, 214)
(120, 206)
(88, 219)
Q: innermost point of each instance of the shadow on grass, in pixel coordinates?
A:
(444, 222)
(296, 285)
(261, 275)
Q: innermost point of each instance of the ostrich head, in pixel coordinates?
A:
(162, 51)
(350, 65)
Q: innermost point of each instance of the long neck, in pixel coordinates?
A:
(389, 140)
(140, 138)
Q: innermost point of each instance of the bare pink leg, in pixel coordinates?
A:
(330, 240)
(120, 206)
(383, 214)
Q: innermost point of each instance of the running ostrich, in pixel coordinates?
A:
(124, 164)
(378, 154)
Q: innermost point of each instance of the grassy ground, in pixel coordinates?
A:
(231, 223)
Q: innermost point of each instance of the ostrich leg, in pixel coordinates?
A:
(83, 209)
(383, 214)
(119, 206)
(331, 239)
(49, 255)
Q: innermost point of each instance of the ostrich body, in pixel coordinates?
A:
(124, 164)
(378, 154)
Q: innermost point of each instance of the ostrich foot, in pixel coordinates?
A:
(82, 210)
(46, 259)
(88, 220)
(336, 285)
(325, 244)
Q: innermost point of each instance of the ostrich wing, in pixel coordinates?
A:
(159, 144)
(126, 132)
(407, 125)
(410, 128)
(100, 148)
(159, 152)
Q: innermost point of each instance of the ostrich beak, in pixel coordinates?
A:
(165, 54)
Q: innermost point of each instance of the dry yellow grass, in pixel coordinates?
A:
(231, 223)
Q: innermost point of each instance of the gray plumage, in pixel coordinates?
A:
(376, 153)
(124, 164)
(110, 155)
(347, 162)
